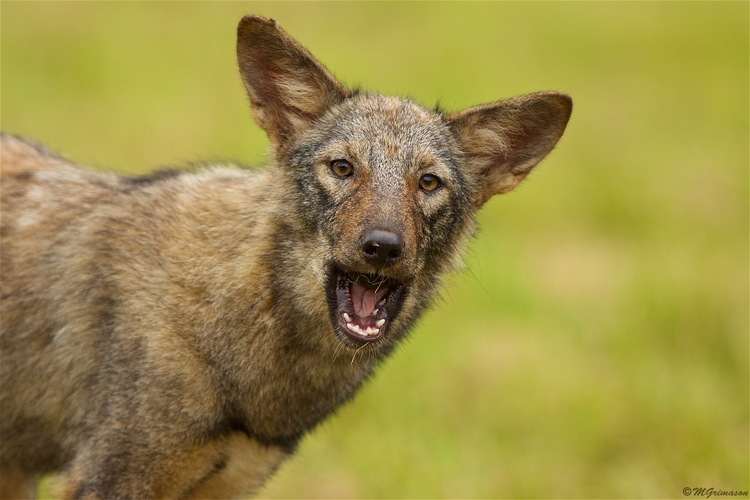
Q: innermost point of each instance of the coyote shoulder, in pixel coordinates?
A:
(175, 335)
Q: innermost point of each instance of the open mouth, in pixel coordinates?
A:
(363, 305)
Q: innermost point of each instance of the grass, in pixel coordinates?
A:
(597, 343)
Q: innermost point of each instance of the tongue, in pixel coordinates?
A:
(364, 299)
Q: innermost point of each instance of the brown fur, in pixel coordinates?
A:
(174, 336)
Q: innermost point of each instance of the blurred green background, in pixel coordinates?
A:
(597, 343)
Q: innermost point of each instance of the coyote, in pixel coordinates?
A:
(175, 335)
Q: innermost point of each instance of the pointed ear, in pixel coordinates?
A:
(288, 88)
(503, 141)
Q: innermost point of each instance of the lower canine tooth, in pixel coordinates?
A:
(347, 318)
(380, 322)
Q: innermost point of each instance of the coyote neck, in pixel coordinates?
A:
(254, 282)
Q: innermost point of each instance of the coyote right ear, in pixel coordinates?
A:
(288, 87)
(504, 140)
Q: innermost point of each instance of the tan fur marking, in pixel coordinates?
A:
(247, 464)
(16, 485)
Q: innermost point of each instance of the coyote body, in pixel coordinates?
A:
(174, 336)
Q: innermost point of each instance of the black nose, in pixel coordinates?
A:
(381, 248)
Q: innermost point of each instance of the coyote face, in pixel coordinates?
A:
(383, 191)
(175, 336)
(390, 188)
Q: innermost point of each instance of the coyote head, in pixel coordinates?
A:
(389, 188)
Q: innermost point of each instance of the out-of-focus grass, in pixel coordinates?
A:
(597, 344)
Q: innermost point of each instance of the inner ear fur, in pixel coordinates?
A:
(287, 86)
(503, 141)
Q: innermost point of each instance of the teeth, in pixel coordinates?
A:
(347, 318)
(380, 322)
(374, 312)
(367, 332)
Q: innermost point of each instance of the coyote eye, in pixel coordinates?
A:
(429, 182)
(342, 168)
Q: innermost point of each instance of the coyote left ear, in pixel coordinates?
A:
(503, 141)
(287, 86)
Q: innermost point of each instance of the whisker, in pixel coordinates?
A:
(337, 351)
(373, 355)
(403, 348)
(471, 271)
(355, 352)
